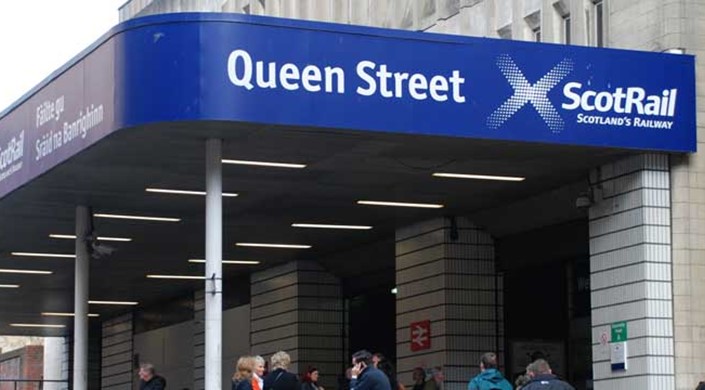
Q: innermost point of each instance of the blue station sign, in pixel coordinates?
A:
(203, 67)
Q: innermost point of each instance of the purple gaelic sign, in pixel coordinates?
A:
(235, 68)
(67, 115)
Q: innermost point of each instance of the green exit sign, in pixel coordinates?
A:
(619, 331)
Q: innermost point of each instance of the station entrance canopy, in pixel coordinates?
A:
(246, 69)
(160, 85)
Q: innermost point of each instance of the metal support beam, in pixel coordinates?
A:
(214, 265)
(80, 319)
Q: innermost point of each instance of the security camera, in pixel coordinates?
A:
(99, 250)
(583, 201)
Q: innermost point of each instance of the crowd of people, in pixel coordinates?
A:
(368, 372)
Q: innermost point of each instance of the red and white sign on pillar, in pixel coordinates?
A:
(420, 335)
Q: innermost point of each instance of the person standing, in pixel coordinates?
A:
(310, 380)
(521, 381)
(279, 378)
(242, 379)
(376, 358)
(344, 380)
(542, 378)
(435, 382)
(489, 377)
(149, 380)
(383, 364)
(419, 377)
(258, 374)
(365, 376)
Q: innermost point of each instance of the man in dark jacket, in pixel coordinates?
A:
(364, 374)
(542, 378)
(149, 380)
(279, 378)
(489, 378)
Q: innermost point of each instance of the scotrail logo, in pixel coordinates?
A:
(629, 106)
(535, 93)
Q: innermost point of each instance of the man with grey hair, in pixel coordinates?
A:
(542, 378)
(149, 380)
(279, 378)
(436, 380)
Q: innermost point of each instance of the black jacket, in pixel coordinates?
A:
(371, 379)
(547, 382)
(156, 383)
(308, 386)
(242, 384)
(280, 379)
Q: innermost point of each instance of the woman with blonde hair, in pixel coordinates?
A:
(279, 378)
(242, 379)
(258, 374)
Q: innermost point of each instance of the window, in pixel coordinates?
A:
(566, 29)
(533, 24)
(599, 23)
(505, 32)
(562, 22)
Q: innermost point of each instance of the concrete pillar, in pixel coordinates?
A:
(445, 274)
(298, 308)
(117, 371)
(66, 361)
(54, 355)
(199, 340)
(630, 272)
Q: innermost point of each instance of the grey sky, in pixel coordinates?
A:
(37, 37)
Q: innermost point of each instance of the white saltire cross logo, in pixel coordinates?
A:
(530, 93)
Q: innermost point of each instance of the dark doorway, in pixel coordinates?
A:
(547, 300)
(372, 322)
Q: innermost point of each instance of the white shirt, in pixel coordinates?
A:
(260, 381)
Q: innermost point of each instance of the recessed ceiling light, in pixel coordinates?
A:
(137, 217)
(35, 254)
(265, 164)
(400, 204)
(24, 271)
(246, 262)
(9, 286)
(116, 303)
(38, 325)
(177, 277)
(53, 314)
(265, 245)
(186, 192)
(73, 237)
(325, 226)
(478, 177)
